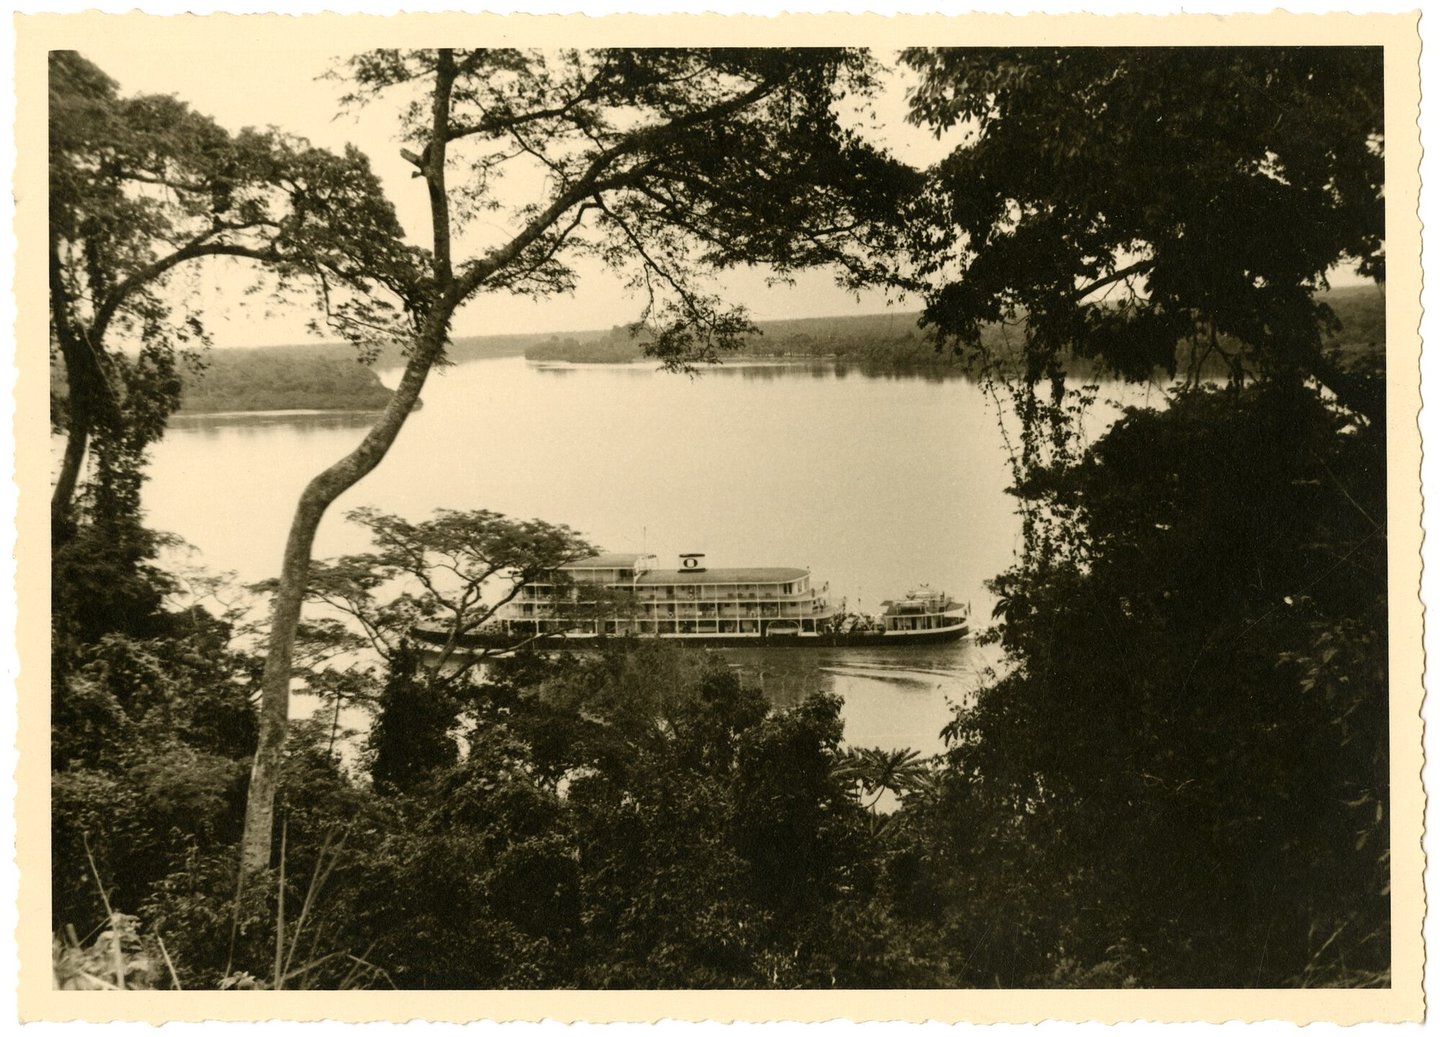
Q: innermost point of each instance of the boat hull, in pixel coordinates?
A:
(862, 639)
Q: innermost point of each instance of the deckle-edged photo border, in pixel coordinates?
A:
(274, 34)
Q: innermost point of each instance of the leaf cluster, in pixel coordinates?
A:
(139, 185)
(452, 572)
(142, 188)
(662, 162)
(1121, 200)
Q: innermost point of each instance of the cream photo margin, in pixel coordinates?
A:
(37, 34)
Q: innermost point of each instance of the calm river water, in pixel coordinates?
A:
(876, 484)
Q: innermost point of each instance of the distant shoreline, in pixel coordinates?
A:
(327, 378)
(896, 344)
(280, 412)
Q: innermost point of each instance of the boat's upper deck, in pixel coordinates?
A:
(719, 577)
(637, 573)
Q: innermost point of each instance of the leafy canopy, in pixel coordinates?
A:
(1191, 735)
(1121, 200)
(660, 162)
(139, 187)
(452, 571)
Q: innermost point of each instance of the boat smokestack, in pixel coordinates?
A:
(694, 563)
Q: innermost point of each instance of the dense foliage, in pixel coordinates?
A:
(636, 819)
(1124, 200)
(1188, 746)
(283, 378)
(141, 188)
(1191, 743)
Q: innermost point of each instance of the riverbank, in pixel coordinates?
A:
(329, 376)
(896, 343)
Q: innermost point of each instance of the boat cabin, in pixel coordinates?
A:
(922, 609)
(630, 594)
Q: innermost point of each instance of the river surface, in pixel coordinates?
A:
(876, 484)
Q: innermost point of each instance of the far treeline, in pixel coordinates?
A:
(1178, 772)
(313, 376)
(329, 377)
(896, 342)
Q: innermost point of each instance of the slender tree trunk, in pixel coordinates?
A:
(257, 836)
(84, 382)
(290, 597)
(77, 438)
(446, 292)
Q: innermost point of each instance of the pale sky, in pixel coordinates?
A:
(243, 81)
(239, 84)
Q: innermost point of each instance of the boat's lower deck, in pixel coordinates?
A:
(860, 639)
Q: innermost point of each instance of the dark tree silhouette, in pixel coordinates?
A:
(139, 187)
(1120, 201)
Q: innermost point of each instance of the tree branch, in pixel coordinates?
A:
(195, 249)
(1118, 275)
(589, 181)
(491, 123)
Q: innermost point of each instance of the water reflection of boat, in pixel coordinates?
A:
(618, 595)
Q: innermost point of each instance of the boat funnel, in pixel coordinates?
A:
(694, 563)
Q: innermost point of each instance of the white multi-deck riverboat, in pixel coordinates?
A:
(617, 595)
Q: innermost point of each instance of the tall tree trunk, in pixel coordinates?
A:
(324, 488)
(76, 439)
(84, 382)
(290, 597)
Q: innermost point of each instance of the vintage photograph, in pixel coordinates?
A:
(617, 512)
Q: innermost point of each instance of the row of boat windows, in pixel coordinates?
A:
(690, 592)
(930, 622)
(721, 626)
(788, 608)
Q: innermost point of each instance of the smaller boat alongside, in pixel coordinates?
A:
(923, 616)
